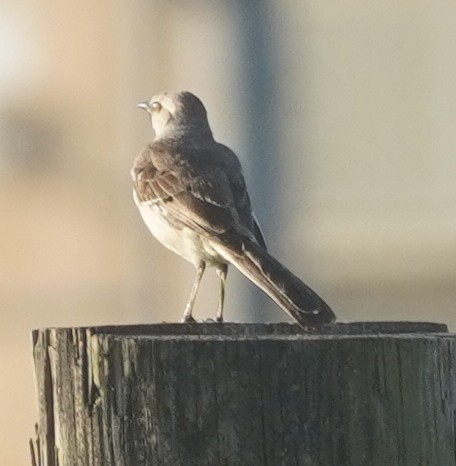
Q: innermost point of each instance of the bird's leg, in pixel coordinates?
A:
(222, 271)
(187, 317)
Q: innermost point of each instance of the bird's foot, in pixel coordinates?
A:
(188, 319)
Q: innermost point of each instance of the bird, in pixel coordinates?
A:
(191, 193)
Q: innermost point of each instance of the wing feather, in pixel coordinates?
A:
(195, 190)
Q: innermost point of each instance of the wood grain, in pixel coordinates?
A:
(247, 394)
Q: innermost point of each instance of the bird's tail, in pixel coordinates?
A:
(282, 286)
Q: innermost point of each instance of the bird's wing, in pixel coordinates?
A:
(241, 197)
(258, 233)
(194, 189)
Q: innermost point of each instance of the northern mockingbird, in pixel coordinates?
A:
(191, 193)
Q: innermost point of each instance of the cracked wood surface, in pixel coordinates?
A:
(246, 394)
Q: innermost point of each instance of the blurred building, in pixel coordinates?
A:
(343, 115)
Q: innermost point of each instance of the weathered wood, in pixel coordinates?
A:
(247, 394)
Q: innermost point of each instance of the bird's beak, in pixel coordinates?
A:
(144, 106)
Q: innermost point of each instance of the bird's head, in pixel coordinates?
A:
(181, 112)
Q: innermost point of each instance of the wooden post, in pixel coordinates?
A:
(247, 394)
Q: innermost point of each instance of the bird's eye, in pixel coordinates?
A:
(156, 106)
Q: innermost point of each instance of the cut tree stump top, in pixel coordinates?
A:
(261, 330)
(232, 394)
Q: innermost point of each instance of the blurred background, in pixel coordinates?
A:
(343, 115)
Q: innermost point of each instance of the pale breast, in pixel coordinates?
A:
(184, 242)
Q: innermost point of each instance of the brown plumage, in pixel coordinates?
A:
(192, 195)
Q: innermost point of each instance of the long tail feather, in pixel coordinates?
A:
(282, 286)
